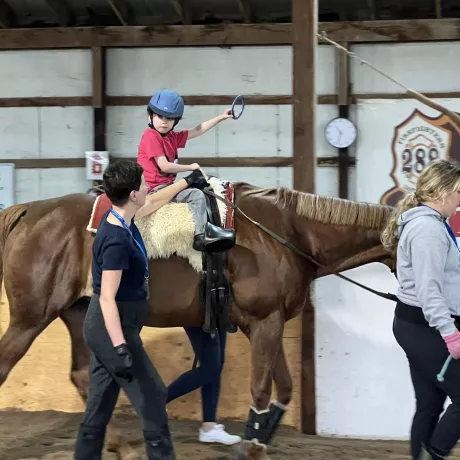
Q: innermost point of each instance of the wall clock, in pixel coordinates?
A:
(340, 132)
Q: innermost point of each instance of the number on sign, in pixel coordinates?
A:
(417, 164)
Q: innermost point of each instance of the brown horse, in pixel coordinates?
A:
(46, 254)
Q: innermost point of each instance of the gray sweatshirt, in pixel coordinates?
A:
(428, 267)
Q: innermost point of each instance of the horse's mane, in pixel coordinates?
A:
(331, 210)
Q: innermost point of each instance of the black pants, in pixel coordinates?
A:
(146, 392)
(426, 352)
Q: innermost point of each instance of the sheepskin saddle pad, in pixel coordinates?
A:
(170, 229)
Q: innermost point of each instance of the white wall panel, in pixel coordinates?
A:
(19, 133)
(63, 181)
(254, 134)
(430, 67)
(194, 70)
(261, 131)
(66, 132)
(45, 73)
(40, 184)
(27, 183)
(125, 126)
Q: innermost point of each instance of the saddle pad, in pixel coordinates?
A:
(171, 229)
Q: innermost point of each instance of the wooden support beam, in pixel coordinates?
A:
(246, 10)
(182, 8)
(344, 111)
(62, 11)
(227, 34)
(123, 11)
(208, 162)
(304, 42)
(98, 100)
(72, 101)
(7, 16)
(438, 8)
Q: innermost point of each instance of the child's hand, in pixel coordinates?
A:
(194, 166)
(227, 114)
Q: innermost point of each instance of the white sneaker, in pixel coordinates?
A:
(218, 434)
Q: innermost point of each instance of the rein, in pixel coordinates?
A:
(299, 252)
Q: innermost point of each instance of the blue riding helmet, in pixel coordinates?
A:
(167, 103)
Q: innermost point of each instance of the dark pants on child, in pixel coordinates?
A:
(426, 352)
(211, 355)
(146, 391)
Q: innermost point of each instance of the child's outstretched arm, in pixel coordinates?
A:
(207, 125)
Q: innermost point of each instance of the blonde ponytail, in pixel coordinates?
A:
(389, 235)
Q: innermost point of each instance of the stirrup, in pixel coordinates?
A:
(214, 239)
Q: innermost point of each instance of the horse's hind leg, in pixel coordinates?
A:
(74, 318)
(266, 342)
(16, 341)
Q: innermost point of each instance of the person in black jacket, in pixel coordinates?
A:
(117, 312)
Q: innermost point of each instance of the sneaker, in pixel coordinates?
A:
(218, 434)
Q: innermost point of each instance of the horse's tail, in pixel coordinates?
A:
(9, 218)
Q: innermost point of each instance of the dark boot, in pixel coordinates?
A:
(90, 442)
(426, 454)
(214, 239)
(159, 447)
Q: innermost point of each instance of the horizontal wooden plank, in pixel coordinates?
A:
(324, 99)
(214, 162)
(407, 30)
(388, 96)
(86, 101)
(210, 100)
(227, 34)
(149, 36)
(68, 101)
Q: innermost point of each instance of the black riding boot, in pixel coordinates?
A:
(214, 239)
(90, 442)
(159, 447)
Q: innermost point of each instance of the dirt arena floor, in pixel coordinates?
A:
(51, 435)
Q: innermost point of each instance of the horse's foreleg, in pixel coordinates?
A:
(266, 344)
(74, 318)
(282, 378)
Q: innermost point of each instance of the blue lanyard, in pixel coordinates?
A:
(140, 243)
(448, 228)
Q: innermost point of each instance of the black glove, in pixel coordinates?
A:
(197, 180)
(123, 362)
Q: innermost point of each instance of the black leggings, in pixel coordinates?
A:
(146, 392)
(426, 352)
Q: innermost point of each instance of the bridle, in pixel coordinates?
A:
(298, 251)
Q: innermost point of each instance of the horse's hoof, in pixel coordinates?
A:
(251, 451)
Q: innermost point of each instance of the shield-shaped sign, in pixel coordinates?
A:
(418, 141)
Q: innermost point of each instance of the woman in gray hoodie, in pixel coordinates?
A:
(428, 271)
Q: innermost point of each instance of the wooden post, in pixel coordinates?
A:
(304, 42)
(99, 111)
(343, 102)
(98, 54)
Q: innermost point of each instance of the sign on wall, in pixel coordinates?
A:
(417, 142)
(96, 162)
(7, 189)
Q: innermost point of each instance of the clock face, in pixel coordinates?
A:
(340, 132)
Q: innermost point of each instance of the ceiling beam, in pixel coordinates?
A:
(63, 13)
(123, 11)
(7, 16)
(182, 8)
(227, 34)
(246, 10)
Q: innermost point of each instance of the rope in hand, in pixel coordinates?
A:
(420, 97)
